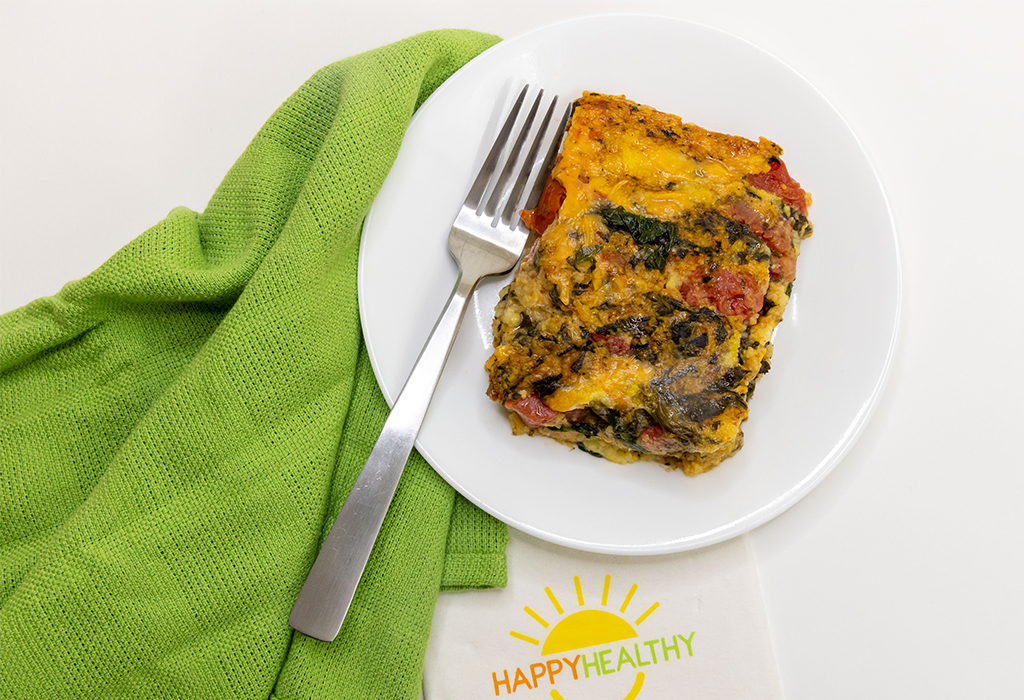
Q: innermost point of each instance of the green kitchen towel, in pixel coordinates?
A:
(180, 428)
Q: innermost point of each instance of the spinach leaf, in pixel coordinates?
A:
(584, 428)
(584, 255)
(643, 229)
(655, 258)
(624, 434)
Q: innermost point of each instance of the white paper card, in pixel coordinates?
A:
(573, 625)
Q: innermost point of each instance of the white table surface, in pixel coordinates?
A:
(900, 575)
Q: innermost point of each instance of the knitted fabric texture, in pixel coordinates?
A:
(181, 427)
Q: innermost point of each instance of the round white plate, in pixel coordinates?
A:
(832, 351)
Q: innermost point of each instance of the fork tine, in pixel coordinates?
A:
(511, 210)
(549, 159)
(487, 169)
(513, 158)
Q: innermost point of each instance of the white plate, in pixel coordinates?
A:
(832, 351)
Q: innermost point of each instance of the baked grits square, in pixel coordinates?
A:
(640, 321)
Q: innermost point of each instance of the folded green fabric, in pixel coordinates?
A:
(180, 428)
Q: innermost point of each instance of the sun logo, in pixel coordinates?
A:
(586, 627)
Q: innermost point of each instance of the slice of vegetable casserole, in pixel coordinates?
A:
(638, 324)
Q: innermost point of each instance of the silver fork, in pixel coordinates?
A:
(484, 241)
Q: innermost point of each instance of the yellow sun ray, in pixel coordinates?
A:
(579, 590)
(647, 612)
(629, 597)
(535, 616)
(523, 637)
(554, 600)
(604, 593)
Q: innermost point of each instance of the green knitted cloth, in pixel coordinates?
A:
(181, 427)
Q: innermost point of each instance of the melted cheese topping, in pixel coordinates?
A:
(612, 381)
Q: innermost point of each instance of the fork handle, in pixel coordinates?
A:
(327, 593)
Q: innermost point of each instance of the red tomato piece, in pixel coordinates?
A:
(577, 415)
(656, 440)
(779, 237)
(616, 344)
(778, 181)
(534, 412)
(613, 258)
(748, 216)
(694, 293)
(654, 432)
(735, 295)
(784, 268)
(551, 199)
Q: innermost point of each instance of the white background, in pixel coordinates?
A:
(900, 575)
